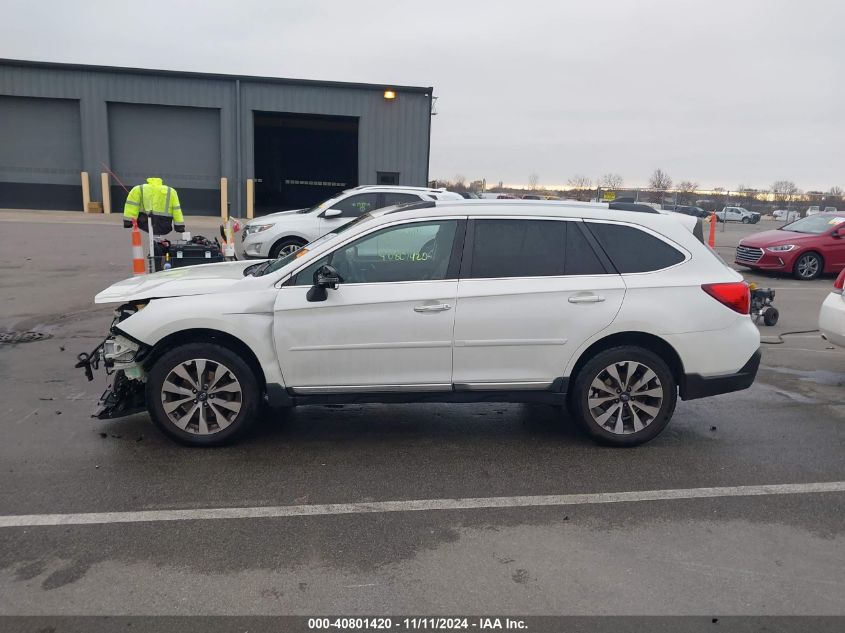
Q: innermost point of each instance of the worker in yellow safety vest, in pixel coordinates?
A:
(158, 201)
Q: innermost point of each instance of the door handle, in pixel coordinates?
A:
(586, 299)
(433, 307)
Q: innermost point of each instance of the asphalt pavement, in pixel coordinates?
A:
(726, 552)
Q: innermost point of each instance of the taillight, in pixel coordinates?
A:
(839, 284)
(735, 295)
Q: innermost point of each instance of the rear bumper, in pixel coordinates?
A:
(697, 386)
(832, 319)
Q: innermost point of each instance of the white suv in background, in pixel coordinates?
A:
(612, 313)
(738, 214)
(282, 233)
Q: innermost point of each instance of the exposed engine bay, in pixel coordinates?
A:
(122, 360)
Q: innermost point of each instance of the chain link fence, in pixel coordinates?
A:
(766, 203)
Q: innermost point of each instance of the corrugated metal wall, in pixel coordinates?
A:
(393, 135)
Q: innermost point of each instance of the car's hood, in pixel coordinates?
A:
(273, 216)
(772, 238)
(178, 282)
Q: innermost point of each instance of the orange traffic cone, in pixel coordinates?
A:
(138, 266)
(712, 239)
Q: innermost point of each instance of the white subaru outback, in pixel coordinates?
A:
(278, 234)
(613, 313)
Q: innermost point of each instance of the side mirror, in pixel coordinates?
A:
(836, 234)
(332, 213)
(325, 276)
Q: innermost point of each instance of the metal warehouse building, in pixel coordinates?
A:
(69, 131)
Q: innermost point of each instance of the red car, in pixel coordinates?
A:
(806, 248)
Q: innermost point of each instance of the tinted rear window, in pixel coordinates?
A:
(580, 257)
(531, 248)
(518, 248)
(632, 250)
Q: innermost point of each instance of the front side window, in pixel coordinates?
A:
(632, 250)
(391, 198)
(408, 252)
(353, 206)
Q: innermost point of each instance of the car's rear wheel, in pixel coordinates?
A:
(202, 394)
(808, 266)
(286, 246)
(624, 396)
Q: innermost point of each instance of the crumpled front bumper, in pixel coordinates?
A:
(121, 358)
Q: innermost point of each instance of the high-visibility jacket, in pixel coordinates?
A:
(157, 200)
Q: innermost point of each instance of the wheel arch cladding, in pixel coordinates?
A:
(640, 339)
(289, 238)
(202, 335)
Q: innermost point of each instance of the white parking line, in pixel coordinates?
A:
(327, 509)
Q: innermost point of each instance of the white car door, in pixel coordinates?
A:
(349, 208)
(531, 292)
(388, 325)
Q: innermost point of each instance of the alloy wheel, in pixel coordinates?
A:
(625, 397)
(201, 396)
(288, 249)
(808, 266)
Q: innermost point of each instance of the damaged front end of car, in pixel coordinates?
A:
(122, 358)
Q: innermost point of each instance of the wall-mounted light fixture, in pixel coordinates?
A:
(389, 94)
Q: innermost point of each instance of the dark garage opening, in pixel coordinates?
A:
(302, 159)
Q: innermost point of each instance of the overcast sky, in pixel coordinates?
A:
(717, 91)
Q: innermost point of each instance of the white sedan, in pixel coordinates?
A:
(832, 315)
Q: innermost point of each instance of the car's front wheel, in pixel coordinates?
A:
(202, 394)
(808, 266)
(624, 396)
(746, 220)
(286, 246)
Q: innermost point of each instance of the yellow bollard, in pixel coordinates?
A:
(104, 180)
(250, 198)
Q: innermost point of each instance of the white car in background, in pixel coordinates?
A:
(832, 315)
(786, 215)
(614, 314)
(279, 234)
(738, 214)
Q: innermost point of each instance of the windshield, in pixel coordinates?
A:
(321, 205)
(287, 259)
(814, 224)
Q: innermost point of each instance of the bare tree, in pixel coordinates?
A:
(611, 181)
(784, 190)
(459, 182)
(687, 186)
(581, 185)
(835, 192)
(533, 180)
(579, 181)
(660, 180)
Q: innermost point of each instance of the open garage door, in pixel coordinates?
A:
(40, 154)
(302, 159)
(178, 144)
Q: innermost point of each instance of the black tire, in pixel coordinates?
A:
(746, 220)
(248, 393)
(770, 316)
(285, 243)
(804, 268)
(616, 356)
